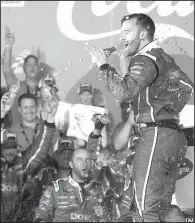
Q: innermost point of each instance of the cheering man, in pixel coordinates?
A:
(158, 90)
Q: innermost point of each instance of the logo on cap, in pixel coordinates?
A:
(85, 87)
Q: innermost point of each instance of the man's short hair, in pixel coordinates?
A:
(30, 56)
(143, 21)
(26, 96)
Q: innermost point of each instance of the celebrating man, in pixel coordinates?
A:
(66, 199)
(33, 69)
(157, 90)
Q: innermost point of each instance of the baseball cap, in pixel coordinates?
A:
(65, 144)
(8, 139)
(85, 87)
(50, 81)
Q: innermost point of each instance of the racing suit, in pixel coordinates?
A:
(157, 90)
(12, 180)
(67, 201)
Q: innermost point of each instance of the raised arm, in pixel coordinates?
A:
(141, 74)
(40, 148)
(94, 137)
(6, 105)
(10, 77)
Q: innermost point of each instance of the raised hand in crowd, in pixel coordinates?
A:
(94, 138)
(52, 109)
(100, 121)
(48, 95)
(10, 77)
(6, 104)
(9, 37)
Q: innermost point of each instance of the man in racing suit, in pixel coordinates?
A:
(158, 90)
(74, 198)
(12, 180)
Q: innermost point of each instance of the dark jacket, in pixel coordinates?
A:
(12, 180)
(155, 85)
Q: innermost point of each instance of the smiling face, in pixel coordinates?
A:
(130, 35)
(86, 97)
(28, 109)
(81, 164)
(9, 154)
(31, 68)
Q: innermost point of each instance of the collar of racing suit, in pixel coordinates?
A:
(79, 187)
(148, 47)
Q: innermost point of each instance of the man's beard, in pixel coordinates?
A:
(134, 46)
(81, 175)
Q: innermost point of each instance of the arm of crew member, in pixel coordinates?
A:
(9, 75)
(122, 138)
(93, 142)
(39, 149)
(141, 74)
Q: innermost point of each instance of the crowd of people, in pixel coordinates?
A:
(123, 173)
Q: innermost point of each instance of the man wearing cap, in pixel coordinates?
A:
(54, 167)
(62, 156)
(85, 92)
(11, 180)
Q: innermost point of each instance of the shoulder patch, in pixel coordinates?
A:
(57, 184)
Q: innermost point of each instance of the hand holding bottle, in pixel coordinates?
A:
(8, 99)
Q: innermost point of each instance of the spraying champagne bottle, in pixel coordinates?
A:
(110, 50)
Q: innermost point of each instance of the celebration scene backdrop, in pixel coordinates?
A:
(65, 31)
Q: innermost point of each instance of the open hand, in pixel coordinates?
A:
(6, 104)
(9, 37)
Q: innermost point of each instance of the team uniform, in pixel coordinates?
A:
(157, 90)
(68, 201)
(12, 177)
